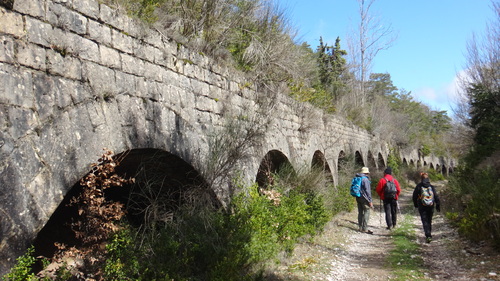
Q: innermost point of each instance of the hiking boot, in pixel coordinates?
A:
(369, 232)
(388, 228)
(428, 240)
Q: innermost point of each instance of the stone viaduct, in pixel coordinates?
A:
(76, 77)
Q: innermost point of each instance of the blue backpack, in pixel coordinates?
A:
(356, 186)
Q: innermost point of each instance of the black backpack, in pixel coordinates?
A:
(390, 189)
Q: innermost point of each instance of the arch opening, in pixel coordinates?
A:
(163, 183)
(381, 162)
(319, 163)
(273, 163)
(358, 160)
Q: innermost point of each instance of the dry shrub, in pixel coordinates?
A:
(97, 221)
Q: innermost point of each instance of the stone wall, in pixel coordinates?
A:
(77, 76)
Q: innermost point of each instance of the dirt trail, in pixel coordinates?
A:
(343, 253)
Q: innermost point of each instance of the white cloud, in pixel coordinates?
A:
(442, 97)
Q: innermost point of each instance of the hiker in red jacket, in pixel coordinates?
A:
(388, 190)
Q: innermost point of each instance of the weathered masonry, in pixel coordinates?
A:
(77, 77)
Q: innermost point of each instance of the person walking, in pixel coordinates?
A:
(364, 202)
(425, 198)
(388, 190)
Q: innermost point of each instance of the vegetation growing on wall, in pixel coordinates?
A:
(256, 37)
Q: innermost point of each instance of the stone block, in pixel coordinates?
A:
(207, 104)
(99, 32)
(89, 8)
(66, 66)
(122, 42)
(6, 49)
(101, 79)
(44, 88)
(79, 92)
(34, 8)
(113, 17)
(126, 83)
(144, 51)
(23, 120)
(31, 55)
(16, 86)
(132, 65)
(11, 23)
(85, 48)
(39, 32)
(200, 88)
(155, 38)
(62, 92)
(66, 19)
(110, 57)
(152, 71)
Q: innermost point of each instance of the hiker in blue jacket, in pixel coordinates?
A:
(425, 198)
(365, 201)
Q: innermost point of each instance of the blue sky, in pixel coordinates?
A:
(431, 45)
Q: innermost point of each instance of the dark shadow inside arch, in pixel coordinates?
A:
(342, 161)
(273, 163)
(319, 163)
(159, 176)
(358, 160)
(443, 170)
(381, 162)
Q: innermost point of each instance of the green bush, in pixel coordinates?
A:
(121, 262)
(208, 244)
(22, 270)
(435, 175)
(478, 192)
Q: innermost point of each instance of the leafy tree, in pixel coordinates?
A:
(381, 84)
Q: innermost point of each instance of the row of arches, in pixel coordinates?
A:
(171, 180)
(422, 164)
(275, 160)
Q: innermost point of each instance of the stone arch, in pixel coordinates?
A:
(342, 161)
(444, 170)
(372, 164)
(159, 175)
(358, 159)
(431, 166)
(274, 162)
(405, 163)
(412, 163)
(419, 164)
(381, 161)
(319, 162)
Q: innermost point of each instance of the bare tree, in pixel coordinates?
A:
(482, 68)
(371, 37)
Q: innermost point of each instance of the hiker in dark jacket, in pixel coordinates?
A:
(390, 204)
(425, 202)
(365, 201)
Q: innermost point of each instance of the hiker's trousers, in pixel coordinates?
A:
(426, 213)
(363, 213)
(391, 212)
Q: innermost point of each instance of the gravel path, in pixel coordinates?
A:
(343, 253)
